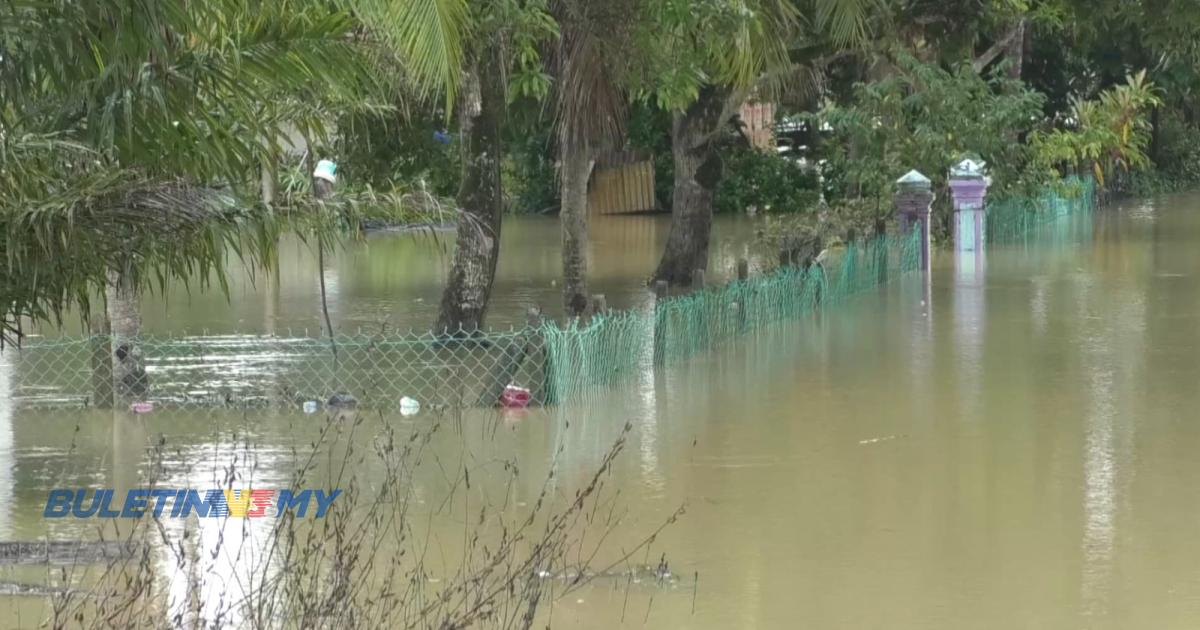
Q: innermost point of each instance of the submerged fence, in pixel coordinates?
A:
(1017, 217)
(554, 363)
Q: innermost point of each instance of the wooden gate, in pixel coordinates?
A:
(622, 183)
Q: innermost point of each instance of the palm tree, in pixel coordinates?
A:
(591, 108)
(130, 130)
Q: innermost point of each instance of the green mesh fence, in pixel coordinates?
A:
(1017, 217)
(554, 363)
(611, 347)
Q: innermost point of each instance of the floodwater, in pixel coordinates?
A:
(393, 281)
(1013, 448)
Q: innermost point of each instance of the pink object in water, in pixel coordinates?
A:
(515, 397)
(142, 407)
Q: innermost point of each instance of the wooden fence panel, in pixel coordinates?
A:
(622, 183)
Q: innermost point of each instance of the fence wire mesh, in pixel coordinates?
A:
(1015, 218)
(554, 363)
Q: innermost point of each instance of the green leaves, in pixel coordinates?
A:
(130, 127)
(1110, 132)
(924, 117)
(430, 37)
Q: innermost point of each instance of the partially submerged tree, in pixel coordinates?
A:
(706, 60)
(591, 108)
(473, 54)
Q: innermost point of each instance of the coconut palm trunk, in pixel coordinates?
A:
(575, 173)
(697, 173)
(465, 299)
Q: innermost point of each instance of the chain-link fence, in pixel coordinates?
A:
(542, 363)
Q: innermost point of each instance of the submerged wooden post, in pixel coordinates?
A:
(743, 274)
(661, 289)
(599, 304)
(914, 205)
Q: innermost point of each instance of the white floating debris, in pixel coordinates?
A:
(879, 439)
(409, 406)
(310, 406)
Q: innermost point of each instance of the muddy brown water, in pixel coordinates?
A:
(1014, 449)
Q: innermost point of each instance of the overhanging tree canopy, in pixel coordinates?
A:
(129, 127)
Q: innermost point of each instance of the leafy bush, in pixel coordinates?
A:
(1110, 134)
(926, 117)
(1176, 160)
(389, 152)
(649, 129)
(530, 175)
(765, 182)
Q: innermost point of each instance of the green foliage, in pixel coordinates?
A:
(530, 173)
(389, 151)
(130, 129)
(437, 41)
(530, 25)
(1177, 158)
(684, 45)
(803, 235)
(1111, 133)
(649, 129)
(1176, 161)
(926, 117)
(764, 182)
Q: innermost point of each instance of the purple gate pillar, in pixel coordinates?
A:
(968, 187)
(914, 202)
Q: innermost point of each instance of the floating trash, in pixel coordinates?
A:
(886, 438)
(514, 397)
(343, 400)
(310, 406)
(409, 406)
(143, 406)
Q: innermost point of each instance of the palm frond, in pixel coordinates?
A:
(844, 20)
(430, 37)
(130, 128)
(592, 103)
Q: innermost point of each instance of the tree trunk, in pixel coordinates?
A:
(697, 173)
(465, 299)
(576, 170)
(1016, 52)
(125, 322)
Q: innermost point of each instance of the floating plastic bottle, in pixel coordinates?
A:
(144, 406)
(310, 406)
